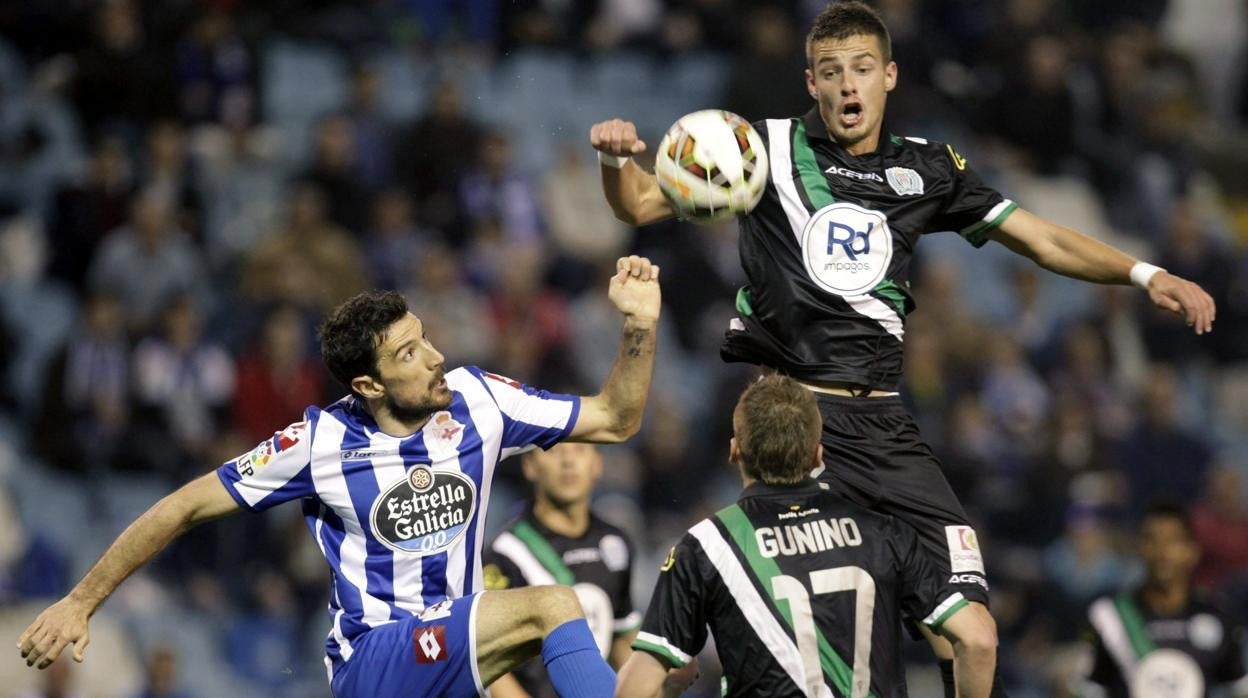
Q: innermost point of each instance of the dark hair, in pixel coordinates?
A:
(777, 427)
(841, 20)
(352, 332)
(1163, 508)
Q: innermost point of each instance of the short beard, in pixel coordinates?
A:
(413, 414)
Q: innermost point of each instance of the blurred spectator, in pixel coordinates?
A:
(454, 21)
(86, 393)
(494, 188)
(530, 321)
(1085, 376)
(148, 262)
(767, 80)
(1034, 110)
(169, 172)
(693, 25)
(30, 565)
(435, 153)
(215, 68)
(57, 681)
(437, 293)
(581, 224)
(241, 178)
(182, 389)
(84, 211)
(309, 262)
(1220, 527)
(372, 133)
(1115, 318)
(263, 644)
(395, 242)
(1014, 394)
(1082, 564)
(1076, 463)
(1032, 321)
(545, 23)
(334, 170)
(278, 377)
(121, 74)
(1160, 455)
(623, 24)
(162, 676)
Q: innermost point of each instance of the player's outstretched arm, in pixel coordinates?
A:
(65, 622)
(974, 639)
(614, 414)
(644, 676)
(633, 193)
(1070, 253)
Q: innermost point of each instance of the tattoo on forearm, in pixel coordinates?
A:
(635, 348)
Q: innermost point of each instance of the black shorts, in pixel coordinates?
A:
(873, 455)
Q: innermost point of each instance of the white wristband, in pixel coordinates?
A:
(616, 161)
(1142, 273)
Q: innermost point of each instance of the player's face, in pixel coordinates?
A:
(850, 80)
(1168, 552)
(564, 473)
(412, 372)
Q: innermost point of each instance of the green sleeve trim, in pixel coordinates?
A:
(940, 620)
(659, 651)
(977, 233)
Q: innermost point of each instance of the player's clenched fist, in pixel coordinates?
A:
(635, 288)
(616, 137)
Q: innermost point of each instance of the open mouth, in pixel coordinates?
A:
(851, 114)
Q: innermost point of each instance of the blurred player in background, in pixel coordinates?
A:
(827, 255)
(803, 590)
(1164, 638)
(559, 540)
(394, 480)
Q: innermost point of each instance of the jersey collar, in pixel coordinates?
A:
(759, 488)
(816, 129)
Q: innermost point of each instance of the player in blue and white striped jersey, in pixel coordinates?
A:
(394, 480)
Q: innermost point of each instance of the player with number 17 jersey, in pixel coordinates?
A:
(400, 520)
(802, 590)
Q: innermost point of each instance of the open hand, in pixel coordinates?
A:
(616, 137)
(63, 623)
(1183, 297)
(635, 288)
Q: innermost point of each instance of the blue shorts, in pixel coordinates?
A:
(433, 654)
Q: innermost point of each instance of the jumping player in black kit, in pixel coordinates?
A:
(827, 256)
(802, 589)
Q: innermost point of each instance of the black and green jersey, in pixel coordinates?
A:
(1187, 654)
(803, 592)
(827, 250)
(597, 565)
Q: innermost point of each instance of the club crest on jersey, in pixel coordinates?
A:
(425, 512)
(442, 432)
(847, 248)
(904, 181)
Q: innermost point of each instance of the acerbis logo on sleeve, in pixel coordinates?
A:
(964, 555)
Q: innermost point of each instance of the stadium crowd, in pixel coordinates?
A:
(185, 188)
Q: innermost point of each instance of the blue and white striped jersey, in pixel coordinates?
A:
(400, 520)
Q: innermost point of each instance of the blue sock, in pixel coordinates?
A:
(576, 668)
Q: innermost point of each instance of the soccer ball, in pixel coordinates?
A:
(712, 165)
